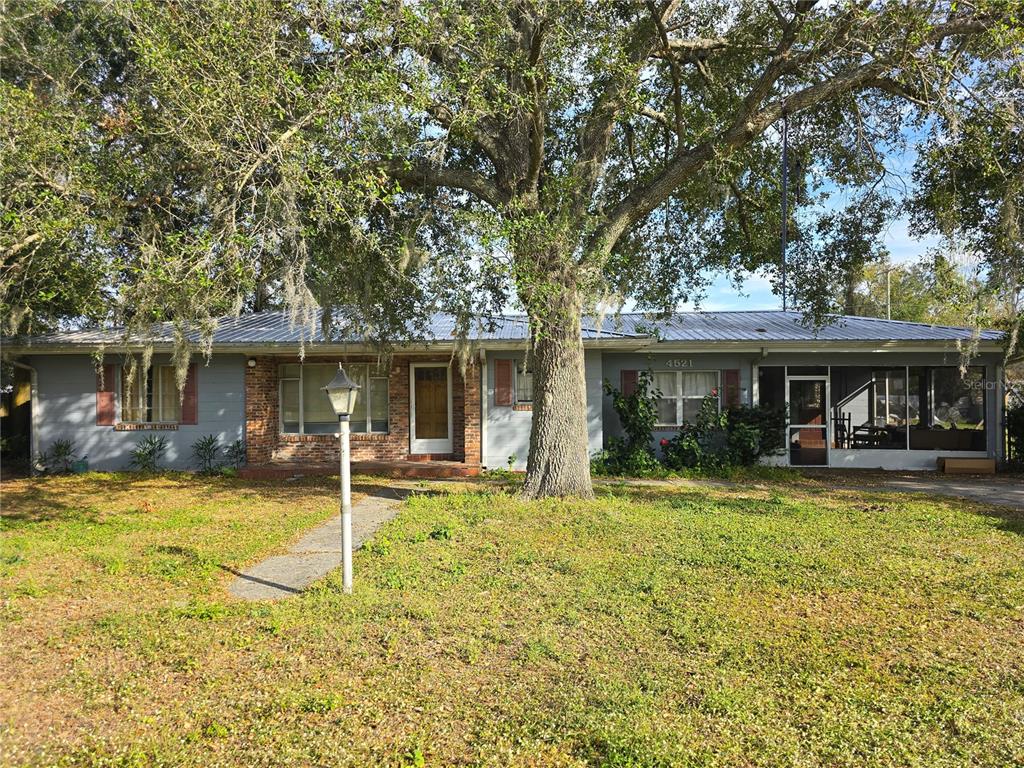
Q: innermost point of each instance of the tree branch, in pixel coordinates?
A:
(538, 121)
(752, 120)
(749, 124)
(422, 174)
(600, 122)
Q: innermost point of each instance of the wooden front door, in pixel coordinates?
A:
(430, 409)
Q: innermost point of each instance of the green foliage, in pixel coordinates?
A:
(179, 161)
(631, 454)
(441, 532)
(147, 453)
(205, 451)
(969, 192)
(769, 423)
(235, 454)
(933, 290)
(1015, 433)
(59, 459)
(720, 440)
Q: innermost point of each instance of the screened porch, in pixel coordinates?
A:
(841, 415)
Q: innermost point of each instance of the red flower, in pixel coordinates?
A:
(664, 442)
(714, 392)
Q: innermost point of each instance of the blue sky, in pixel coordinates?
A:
(757, 290)
(903, 247)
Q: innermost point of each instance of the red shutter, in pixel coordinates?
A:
(629, 381)
(731, 378)
(190, 402)
(106, 396)
(503, 382)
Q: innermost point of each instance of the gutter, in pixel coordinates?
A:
(632, 344)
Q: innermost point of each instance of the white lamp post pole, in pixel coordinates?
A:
(346, 506)
(342, 393)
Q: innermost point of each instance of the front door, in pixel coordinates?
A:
(808, 423)
(430, 423)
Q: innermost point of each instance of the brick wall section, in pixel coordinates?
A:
(266, 445)
(458, 418)
(261, 410)
(472, 415)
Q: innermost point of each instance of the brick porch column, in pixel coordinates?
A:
(471, 414)
(261, 420)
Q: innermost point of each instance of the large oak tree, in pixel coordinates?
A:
(619, 150)
(392, 158)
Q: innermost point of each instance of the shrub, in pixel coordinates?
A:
(147, 452)
(638, 413)
(205, 451)
(1015, 434)
(235, 454)
(59, 459)
(719, 440)
(769, 423)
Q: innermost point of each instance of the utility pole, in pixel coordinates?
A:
(888, 293)
(785, 200)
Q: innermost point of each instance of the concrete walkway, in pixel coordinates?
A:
(995, 491)
(319, 551)
(1001, 493)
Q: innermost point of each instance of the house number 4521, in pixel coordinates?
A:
(680, 362)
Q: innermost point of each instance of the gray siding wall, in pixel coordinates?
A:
(615, 363)
(507, 431)
(66, 408)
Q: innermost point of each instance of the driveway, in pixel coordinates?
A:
(997, 490)
(1002, 492)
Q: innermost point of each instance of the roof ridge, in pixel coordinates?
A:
(917, 323)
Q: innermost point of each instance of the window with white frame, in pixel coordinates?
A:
(153, 398)
(682, 393)
(306, 410)
(524, 384)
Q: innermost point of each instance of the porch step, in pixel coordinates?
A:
(398, 469)
(967, 466)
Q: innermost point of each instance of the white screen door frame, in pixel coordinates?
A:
(826, 427)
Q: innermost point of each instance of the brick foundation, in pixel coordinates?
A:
(266, 444)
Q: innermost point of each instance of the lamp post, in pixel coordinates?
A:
(342, 392)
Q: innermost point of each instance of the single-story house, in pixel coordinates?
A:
(859, 392)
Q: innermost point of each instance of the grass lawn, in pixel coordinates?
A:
(784, 624)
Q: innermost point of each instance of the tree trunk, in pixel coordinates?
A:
(559, 461)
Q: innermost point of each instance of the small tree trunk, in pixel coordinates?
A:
(559, 461)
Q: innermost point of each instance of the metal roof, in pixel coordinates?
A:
(273, 328)
(788, 326)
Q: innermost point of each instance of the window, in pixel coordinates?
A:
(869, 407)
(156, 402)
(524, 384)
(682, 393)
(771, 386)
(306, 409)
(922, 408)
(947, 410)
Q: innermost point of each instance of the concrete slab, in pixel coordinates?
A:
(1000, 493)
(318, 552)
